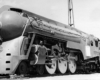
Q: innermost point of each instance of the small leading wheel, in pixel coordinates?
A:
(22, 68)
(40, 69)
(51, 68)
(72, 66)
(62, 66)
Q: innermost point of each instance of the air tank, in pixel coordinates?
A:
(12, 24)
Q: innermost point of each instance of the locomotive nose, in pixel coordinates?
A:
(11, 24)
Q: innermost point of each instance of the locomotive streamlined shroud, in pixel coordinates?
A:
(14, 22)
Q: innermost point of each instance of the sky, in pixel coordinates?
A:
(86, 12)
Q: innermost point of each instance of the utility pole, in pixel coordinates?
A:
(70, 14)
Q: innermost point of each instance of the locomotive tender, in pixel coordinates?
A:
(34, 43)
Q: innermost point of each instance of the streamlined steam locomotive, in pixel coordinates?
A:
(32, 43)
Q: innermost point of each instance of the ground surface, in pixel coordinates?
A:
(95, 76)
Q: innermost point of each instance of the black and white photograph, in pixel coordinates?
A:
(49, 39)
